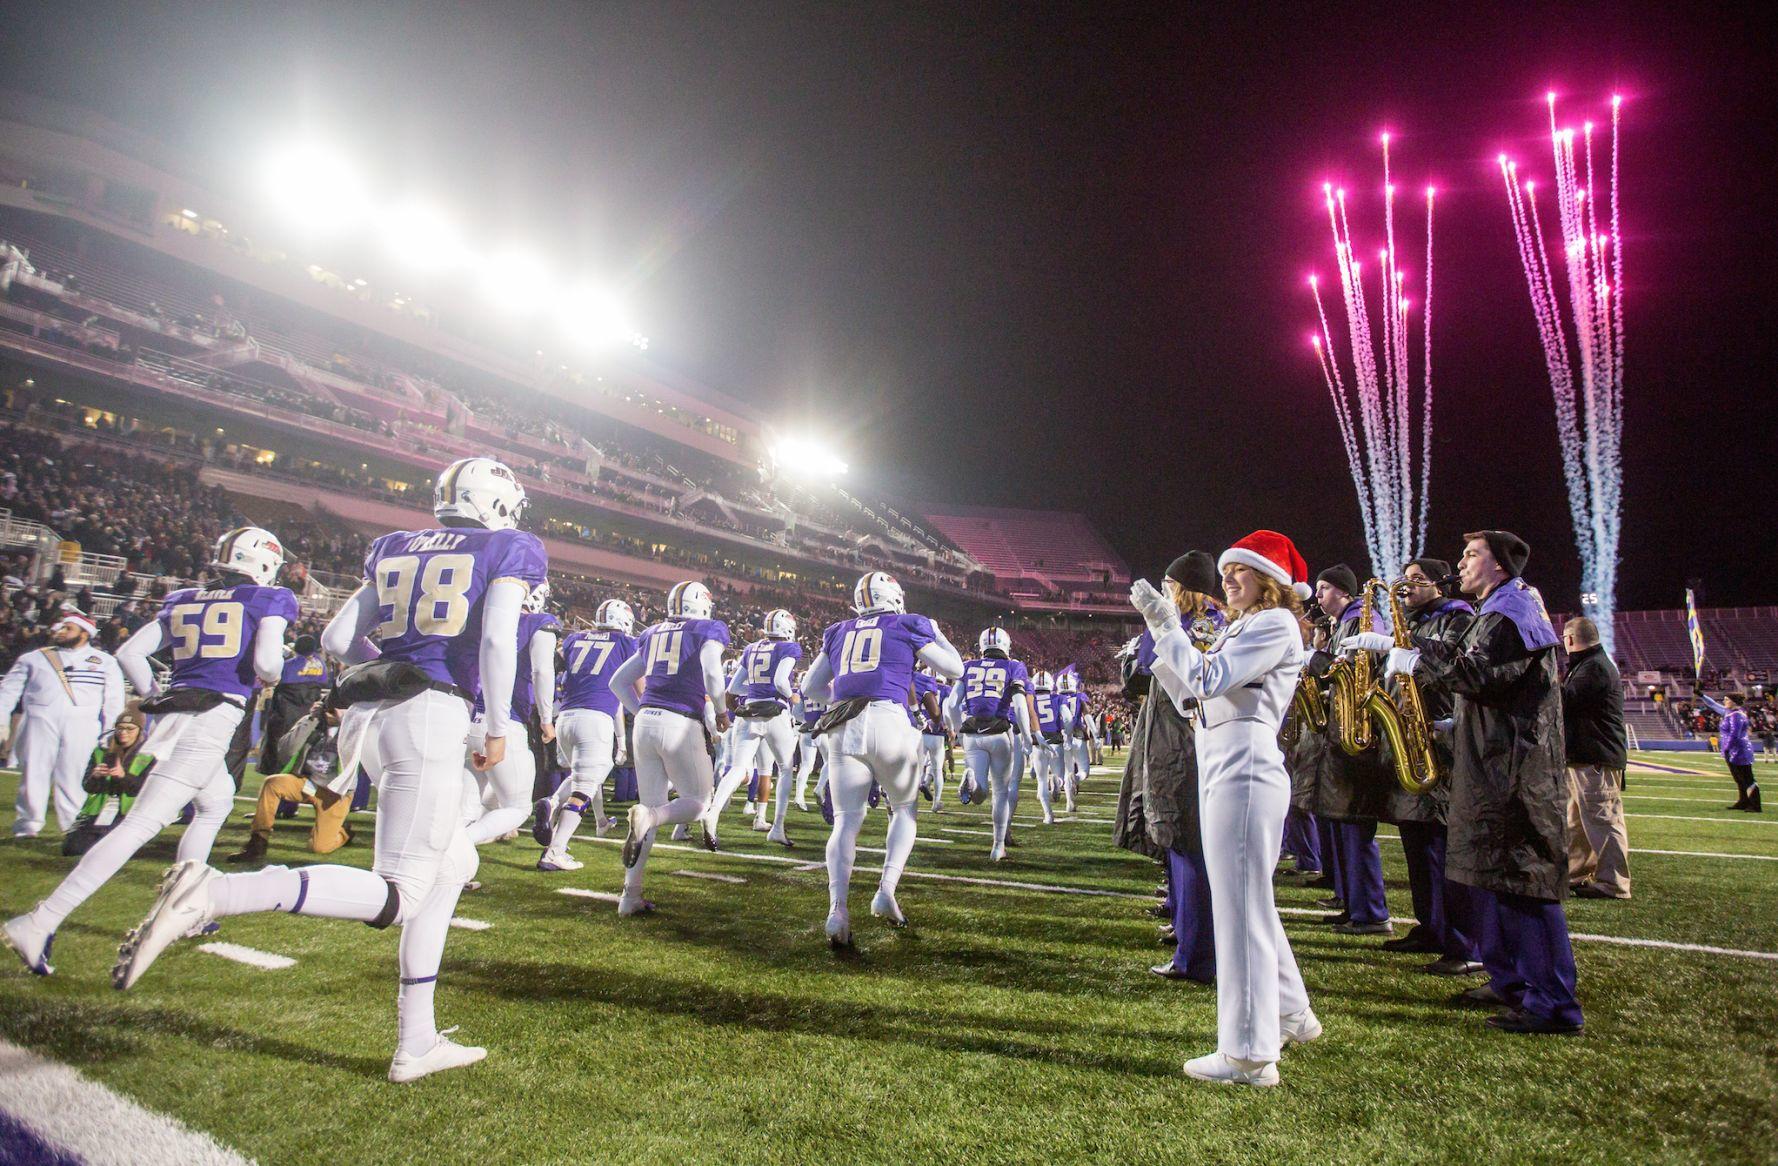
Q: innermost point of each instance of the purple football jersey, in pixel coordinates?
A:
(590, 658)
(873, 656)
(305, 670)
(211, 633)
(759, 663)
(530, 623)
(1049, 711)
(990, 686)
(924, 684)
(431, 586)
(673, 678)
(1074, 705)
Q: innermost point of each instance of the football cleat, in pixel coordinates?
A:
(446, 1054)
(839, 929)
(31, 943)
(628, 904)
(641, 822)
(884, 906)
(781, 838)
(559, 862)
(543, 821)
(182, 906)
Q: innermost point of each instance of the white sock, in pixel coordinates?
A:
(328, 892)
(938, 785)
(1004, 804)
(731, 781)
(898, 844)
(842, 851)
(781, 800)
(421, 952)
(561, 831)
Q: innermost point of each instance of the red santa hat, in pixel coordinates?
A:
(1272, 555)
(73, 617)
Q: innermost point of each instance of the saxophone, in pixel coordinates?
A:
(1349, 686)
(1402, 717)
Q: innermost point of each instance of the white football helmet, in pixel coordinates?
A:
(479, 490)
(780, 625)
(252, 551)
(538, 599)
(876, 592)
(1043, 682)
(690, 600)
(616, 615)
(994, 640)
(1070, 682)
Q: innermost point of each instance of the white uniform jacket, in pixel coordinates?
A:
(1248, 674)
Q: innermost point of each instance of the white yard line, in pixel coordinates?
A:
(85, 1121)
(1094, 892)
(1745, 820)
(710, 875)
(265, 961)
(463, 924)
(606, 896)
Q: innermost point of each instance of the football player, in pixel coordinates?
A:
(1046, 749)
(589, 731)
(991, 709)
(433, 626)
(760, 694)
(927, 712)
(807, 712)
(865, 672)
(226, 638)
(496, 800)
(679, 664)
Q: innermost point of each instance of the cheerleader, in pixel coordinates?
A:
(1243, 685)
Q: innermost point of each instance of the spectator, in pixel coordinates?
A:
(1593, 721)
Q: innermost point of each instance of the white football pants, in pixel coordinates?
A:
(587, 740)
(757, 744)
(669, 755)
(497, 799)
(991, 760)
(932, 765)
(189, 750)
(876, 745)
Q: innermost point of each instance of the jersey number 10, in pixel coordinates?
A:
(861, 651)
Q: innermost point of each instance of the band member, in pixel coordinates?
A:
(1243, 684)
(1508, 818)
(1737, 748)
(1158, 805)
(70, 693)
(1443, 925)
(1353, 792)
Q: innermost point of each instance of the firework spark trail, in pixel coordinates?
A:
(1426, 373)
(1587, 379)
(1375, 407)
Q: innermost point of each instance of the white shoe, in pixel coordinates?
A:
(446, 1054)
(1049, 819)
(839, 929)
(552, 861)
(781, 838)
(633, 904)
(509, 836)
(641, 822)
(997, 854)
(761, 825)
(31, 943)
(884, 906)
(681, 834)
(1221, 1070)
(603, 827)
(183, 905)
(1299, 1028)
(801, 804)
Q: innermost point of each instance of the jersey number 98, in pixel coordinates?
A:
(442, 607)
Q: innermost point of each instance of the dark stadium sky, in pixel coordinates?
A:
(1051, 255)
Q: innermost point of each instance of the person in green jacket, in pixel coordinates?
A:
(117, 769)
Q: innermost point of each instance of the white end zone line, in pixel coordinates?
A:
(265, 961)
(86, 1121)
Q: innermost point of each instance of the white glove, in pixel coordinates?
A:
(1444, 726)
(1157, 610)
(1366, 642)
(1401, 661)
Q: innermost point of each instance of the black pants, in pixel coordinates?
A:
(1743, 775)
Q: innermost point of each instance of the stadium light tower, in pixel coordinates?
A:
(805, 457)
(316, 186)
(593, 318)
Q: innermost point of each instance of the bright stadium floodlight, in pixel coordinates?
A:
(316, 187)
(805, 457)
(422, 237)
(592, 317)
(514, 281)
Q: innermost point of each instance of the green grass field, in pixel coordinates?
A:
(1008, 1024)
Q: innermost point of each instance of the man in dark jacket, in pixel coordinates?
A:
(304, 681)
(1352, 793)
(1593, 723)
(1444, 925)
(1507, 823)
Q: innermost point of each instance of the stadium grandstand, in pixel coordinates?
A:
(161, 357)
